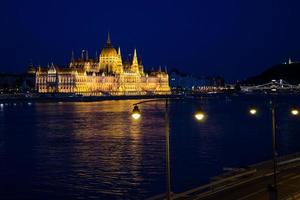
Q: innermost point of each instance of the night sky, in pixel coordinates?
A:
(231, 38)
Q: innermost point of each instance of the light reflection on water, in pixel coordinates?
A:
(96, 151)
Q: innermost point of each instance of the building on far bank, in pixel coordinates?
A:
(16, 83)
(182, 82)
(104, 75)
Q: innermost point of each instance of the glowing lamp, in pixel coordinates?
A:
(253, 111)
(295, 111)
(199, 115)
(136, 113)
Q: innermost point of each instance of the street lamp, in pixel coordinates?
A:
(295, 112)
(136, 114)
(199, 114)
(253, 111)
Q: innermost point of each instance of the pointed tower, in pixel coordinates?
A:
(135, 59)
(96, 54)
(86, 55)
(119, 51)
(135, 63)
(108, 41)
(82, 54)
(51, 69)
(72, 56)
(141, 67)
(72, 59)
(120, 55)
(119, 63)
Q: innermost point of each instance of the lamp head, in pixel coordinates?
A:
(199, 114)
(136, 113)
(253, 111)
(295, 111)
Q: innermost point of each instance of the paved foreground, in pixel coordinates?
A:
(252, 183)
(288, 188)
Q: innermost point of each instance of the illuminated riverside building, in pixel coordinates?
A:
(105, 75)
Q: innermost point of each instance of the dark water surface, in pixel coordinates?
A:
(96, 151)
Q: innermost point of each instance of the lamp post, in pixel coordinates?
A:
(136, 114)
(274, 145)
(295, 112)
(168, 166)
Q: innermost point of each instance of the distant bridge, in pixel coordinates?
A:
(273, 86)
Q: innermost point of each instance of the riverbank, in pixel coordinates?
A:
(74, 98)
(33, 97)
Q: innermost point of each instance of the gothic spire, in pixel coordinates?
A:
(82, 54)
(72, 56)
(108, 42)
(119, 51)
(135, 59)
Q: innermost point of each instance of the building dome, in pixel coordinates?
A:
(108, 52)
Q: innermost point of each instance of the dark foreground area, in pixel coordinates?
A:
(251, 183)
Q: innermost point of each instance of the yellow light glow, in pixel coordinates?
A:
(136, 115)
(199, 116)
(252, 111)
(295, 112)
(134, 80)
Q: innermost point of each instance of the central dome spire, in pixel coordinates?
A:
(108, 42)
(108, 50)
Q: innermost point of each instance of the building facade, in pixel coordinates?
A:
(104, 75)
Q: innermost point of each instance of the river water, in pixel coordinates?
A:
(94, 150)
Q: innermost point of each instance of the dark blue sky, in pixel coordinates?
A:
(232, 38)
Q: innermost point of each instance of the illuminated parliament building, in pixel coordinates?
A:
(107, 74)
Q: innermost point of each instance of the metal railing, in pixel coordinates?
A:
(254, 172)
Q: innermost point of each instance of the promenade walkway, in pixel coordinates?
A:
(250, 184)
